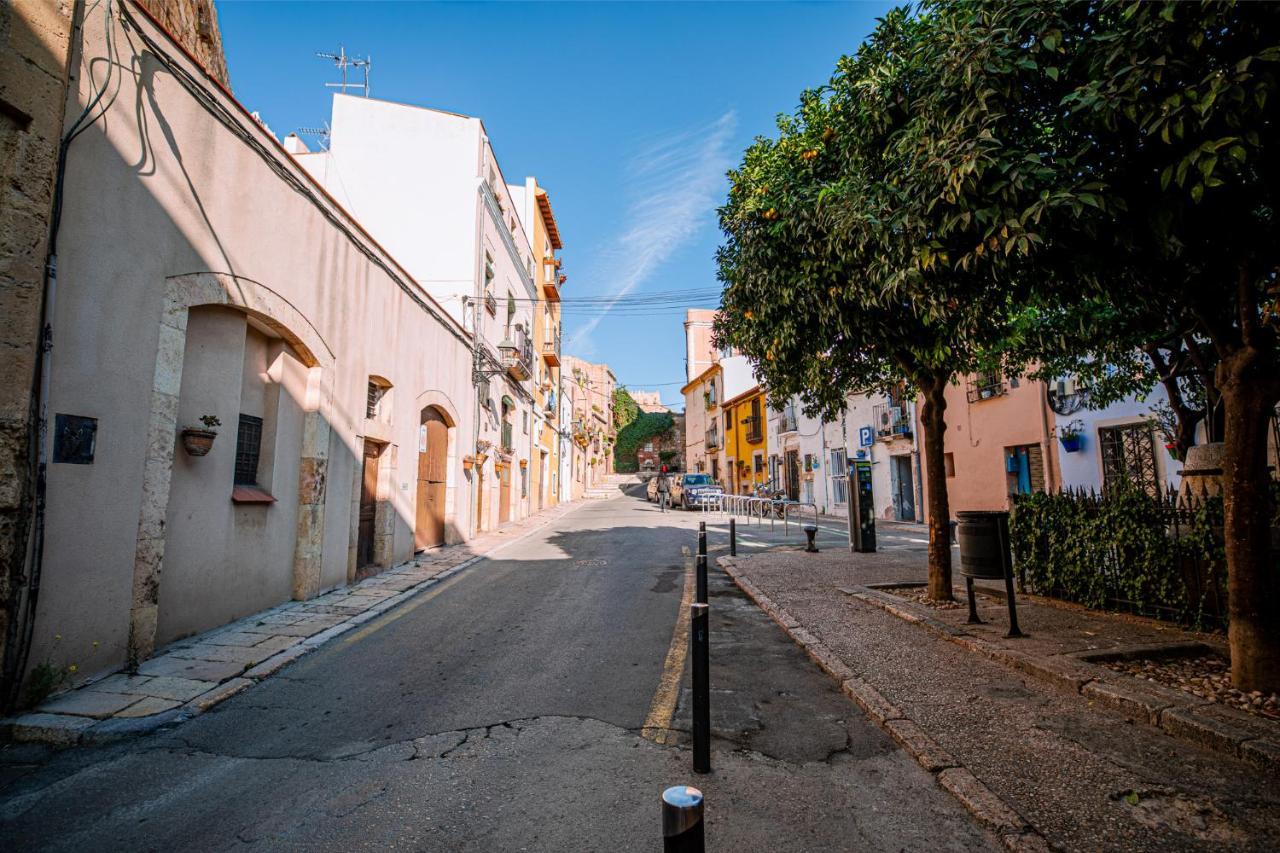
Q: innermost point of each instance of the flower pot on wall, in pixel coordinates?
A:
(1071, 443)
(198, 442)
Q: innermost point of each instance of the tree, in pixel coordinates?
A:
(874, 240)
(1169, 114)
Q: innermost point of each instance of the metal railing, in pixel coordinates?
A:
(752, 507)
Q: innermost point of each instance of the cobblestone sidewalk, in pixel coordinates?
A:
(1041, 744)
(190, 676)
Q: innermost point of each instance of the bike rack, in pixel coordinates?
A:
(786, 513)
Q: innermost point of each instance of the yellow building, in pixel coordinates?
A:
(544, 237)
(703, 437)
(745, 452)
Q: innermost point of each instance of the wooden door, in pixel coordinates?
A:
(433, 461)
(368, 503)
(504, 494)
(793, 474)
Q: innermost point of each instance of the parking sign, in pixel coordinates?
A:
(866, 437)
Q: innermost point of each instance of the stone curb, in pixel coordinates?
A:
(1170, 710)
(65, 730)
(1014, 832)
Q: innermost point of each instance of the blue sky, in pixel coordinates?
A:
(628, 113)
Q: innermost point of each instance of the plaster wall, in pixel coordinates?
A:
(217, 215)
(1083, 468)
(978, 434)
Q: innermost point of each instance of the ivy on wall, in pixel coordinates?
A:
(1124, 550)
(646, 427)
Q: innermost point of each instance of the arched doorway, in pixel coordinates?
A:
(433, 471)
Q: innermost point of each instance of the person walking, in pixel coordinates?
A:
(664, 489)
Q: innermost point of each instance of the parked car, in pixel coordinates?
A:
(692, 490)
(651, 490)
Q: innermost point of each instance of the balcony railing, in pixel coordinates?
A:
(986, 386)
(712, 439)
(551, 351)
(755, 434)
(520, 361)
(891, 421)
(787, 421)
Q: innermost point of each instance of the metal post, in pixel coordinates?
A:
(702, 579)
(733, 537)
(1013, 608)
(682, 826)
(699, 616)
(973, 604)
(702, 538)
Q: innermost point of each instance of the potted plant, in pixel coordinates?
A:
(468, 462)
(1071, 435)
(198, 441)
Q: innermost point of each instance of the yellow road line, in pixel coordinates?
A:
(657, 724)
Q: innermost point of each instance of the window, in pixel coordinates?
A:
(248, 450)
(1129, 455)
(949, 464)
(754, 432)
(373, 399)
(757, 463)
(524, 418)
(839, 473)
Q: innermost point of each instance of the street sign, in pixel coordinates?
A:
(866, 436)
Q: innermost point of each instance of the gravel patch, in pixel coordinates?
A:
(920, 595)
(1206, 676)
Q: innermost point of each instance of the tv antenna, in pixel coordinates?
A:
(320, 133)
(343, 62)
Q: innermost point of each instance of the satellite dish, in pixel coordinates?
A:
(1067, 396)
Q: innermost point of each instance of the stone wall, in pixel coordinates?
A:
(194, 25)
(34, 45)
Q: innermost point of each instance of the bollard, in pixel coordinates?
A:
(682, 826)
(700, 617)
(701, 576)
(733, 538)
(702, 538)
(811, 532)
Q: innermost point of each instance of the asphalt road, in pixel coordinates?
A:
(503, 710)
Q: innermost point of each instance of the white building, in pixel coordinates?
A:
(427, 185)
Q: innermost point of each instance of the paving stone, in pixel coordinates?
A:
(870, 700)
(195, 670)
(221, 693)
(920, 746)
(1214, 734)
(235, 638)
(90, 703)
(1127, 699)
(271, 645)
(276, 662)
(1262, 752)
(285, 630)
(121, 683)
(147, 706)
(172, 687)
(236, 654)
(49, 728)
(980, 801)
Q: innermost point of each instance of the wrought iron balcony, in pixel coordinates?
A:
(891, 421)
(787, 421)
(551, 351)
(985, 386)
(518, 357)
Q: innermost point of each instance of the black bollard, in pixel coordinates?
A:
(701, 593)
(811, 533)
(702, 537)
(699, 616)
(682, 826)
(733, 537)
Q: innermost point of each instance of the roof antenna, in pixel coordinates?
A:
(343, 62)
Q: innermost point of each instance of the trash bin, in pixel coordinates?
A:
(985, 554)
(984, 544)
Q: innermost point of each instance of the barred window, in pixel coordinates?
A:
(248, 450)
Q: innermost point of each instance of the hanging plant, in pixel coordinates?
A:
(198, 441)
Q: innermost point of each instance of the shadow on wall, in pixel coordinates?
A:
(148, 542)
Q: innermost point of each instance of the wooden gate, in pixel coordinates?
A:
(433, 461)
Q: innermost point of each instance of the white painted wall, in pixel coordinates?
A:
(1083, 469)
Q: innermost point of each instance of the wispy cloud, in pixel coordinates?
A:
(675, 184)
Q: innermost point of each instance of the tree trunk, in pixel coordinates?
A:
(933, 415)
(1249, 396)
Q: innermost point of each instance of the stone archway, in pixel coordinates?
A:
(182, 293)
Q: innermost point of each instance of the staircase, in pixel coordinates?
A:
(612, 486)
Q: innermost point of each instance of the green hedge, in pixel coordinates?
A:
(1124, 550)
